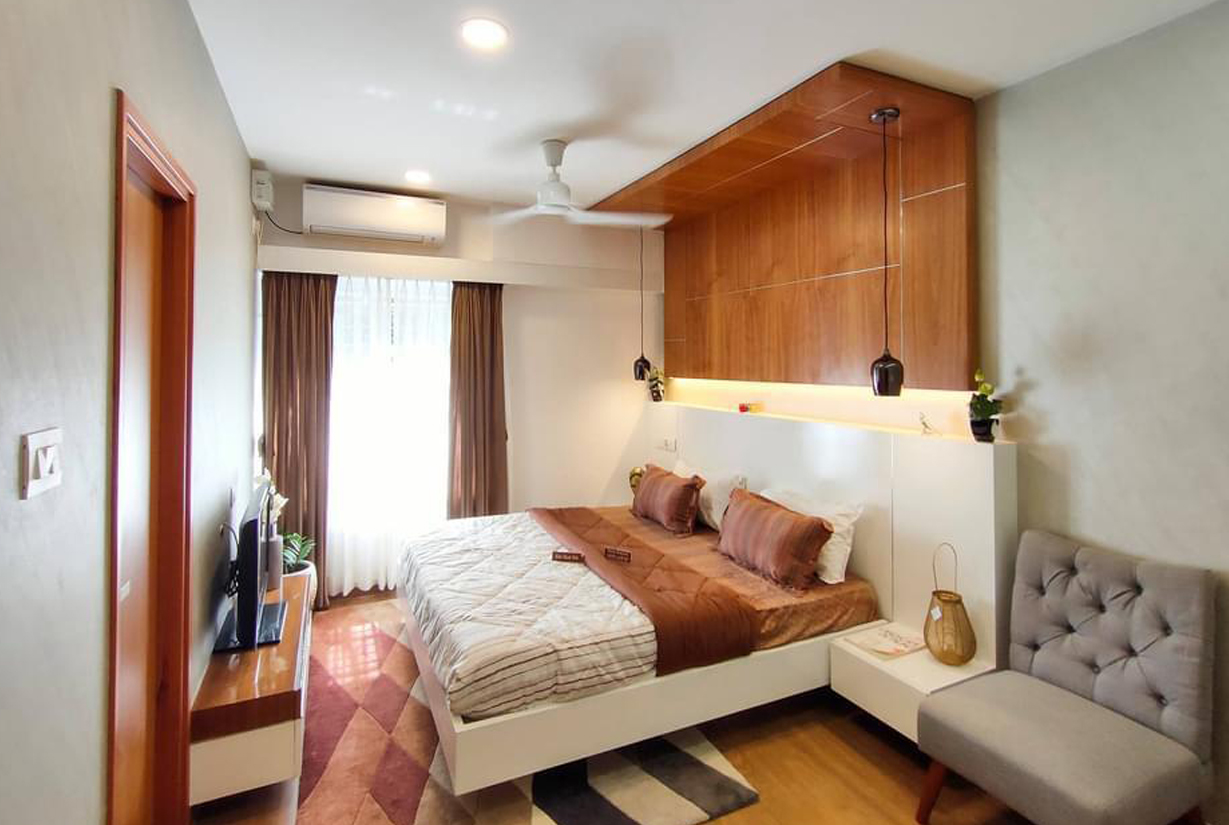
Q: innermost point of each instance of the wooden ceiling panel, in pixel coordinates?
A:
(822, 121)
(789, 130)
(723, 163)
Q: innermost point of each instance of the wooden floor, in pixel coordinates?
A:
(818, 759)
(814, 759)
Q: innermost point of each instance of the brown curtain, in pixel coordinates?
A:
(478, 453)
(297, 366)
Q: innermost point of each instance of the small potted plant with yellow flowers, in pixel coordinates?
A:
(983, 409)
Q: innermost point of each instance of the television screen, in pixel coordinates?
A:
(242, 628)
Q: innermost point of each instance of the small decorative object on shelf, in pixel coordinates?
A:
(749, 407)
(949, 635)
(276, 562)
(657, 384)
(633, 478)
(983, 409)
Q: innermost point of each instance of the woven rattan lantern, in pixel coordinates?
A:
(949, 634)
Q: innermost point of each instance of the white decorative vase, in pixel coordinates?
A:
(308, 569)
(274, 562)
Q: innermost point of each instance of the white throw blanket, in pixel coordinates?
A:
(507, 627)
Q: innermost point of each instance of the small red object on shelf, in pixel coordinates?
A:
(748, 407)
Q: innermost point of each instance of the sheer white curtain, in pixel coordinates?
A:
(388, 430)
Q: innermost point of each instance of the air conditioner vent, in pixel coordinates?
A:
(335, 211)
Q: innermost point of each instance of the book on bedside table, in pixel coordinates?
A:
(889, 641)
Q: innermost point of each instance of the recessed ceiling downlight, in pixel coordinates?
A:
(417, 177)
(484, 34)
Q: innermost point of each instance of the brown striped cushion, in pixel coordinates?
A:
(671, 501)
(772, 540)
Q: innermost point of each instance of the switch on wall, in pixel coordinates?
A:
(40, 462)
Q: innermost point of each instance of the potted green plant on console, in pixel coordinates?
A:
(983, 409)
(296, 547)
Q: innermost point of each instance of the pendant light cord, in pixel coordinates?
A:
(884, 124)
(642, 291)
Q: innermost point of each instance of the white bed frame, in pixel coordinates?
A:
(915, 490)
(485, 752)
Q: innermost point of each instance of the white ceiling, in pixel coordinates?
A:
(361, 91)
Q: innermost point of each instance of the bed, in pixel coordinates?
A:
(529, 662)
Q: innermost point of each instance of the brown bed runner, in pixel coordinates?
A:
(698, 620)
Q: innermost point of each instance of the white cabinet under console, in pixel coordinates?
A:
(247, 720)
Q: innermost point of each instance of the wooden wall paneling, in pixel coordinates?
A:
(675, 313)
(937, 155)
(850, 328)
(697, 356)
(730, 342)
(717, 337)
(848, 215)
(780, 218)
(783, 333)
(675, 355)
(675, 318)
(770, 209)
(770, 330)
(700, 258)
(732, 247)
(940, 299)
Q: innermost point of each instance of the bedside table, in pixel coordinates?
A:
(891, 689)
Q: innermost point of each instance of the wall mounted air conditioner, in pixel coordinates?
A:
(334, 211)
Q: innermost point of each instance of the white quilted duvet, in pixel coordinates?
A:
(508, 628)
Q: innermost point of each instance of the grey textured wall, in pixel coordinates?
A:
(59, 61)
(1105, 304)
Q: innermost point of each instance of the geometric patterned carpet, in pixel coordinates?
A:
(371, 756)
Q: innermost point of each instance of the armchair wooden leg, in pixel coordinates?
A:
(935, 777)
(1192, 817)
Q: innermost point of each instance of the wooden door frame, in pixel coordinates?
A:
(138, 150)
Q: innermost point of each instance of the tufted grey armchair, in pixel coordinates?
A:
(1106, 713)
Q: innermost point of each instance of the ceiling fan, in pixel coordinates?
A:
(555, 198)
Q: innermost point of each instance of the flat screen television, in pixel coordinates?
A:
(251, 622)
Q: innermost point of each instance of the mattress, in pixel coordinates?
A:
(508, 628)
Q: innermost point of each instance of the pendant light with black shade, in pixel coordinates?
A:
(887, 372)
(641, 366)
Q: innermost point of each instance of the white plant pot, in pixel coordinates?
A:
(308, 569)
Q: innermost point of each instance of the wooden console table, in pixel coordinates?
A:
(247, 721)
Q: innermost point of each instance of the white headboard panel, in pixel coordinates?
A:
(915, 490)
(832, 461)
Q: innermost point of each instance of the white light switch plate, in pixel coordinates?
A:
(40, 462)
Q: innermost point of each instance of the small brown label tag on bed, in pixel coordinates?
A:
(615, 554)
(568, 556)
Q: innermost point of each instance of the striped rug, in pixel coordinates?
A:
(371, 755)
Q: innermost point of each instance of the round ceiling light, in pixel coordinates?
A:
(484, 34)
(417, 177)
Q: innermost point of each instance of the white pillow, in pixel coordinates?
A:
(715, 494)
(834, 556)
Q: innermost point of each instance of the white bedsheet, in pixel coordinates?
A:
(507, 627)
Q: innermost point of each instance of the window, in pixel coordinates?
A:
(388, 430)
